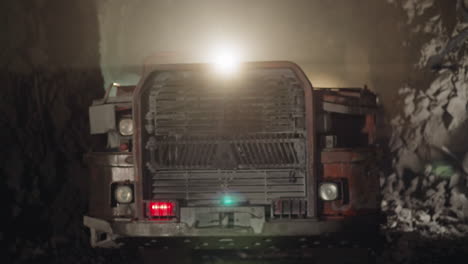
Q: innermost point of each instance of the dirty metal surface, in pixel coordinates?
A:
(208, 186)
(273, 228)
(224, 217)
(190, 102)
(202, 137)
(240, 152)
(105, 169)
(356, 169)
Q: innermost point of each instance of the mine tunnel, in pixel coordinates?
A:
(222, 131)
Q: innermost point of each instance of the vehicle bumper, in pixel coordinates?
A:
(121, 229)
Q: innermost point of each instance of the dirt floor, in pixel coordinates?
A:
(394, 248)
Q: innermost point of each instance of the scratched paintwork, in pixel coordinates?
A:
(356, 169)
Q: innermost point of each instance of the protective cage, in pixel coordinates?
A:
(203, 137)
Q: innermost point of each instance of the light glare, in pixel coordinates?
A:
(228, 200)
(226, 61)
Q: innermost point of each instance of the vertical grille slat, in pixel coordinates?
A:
(261, 156)
(258, 157)
(241, 152)
(201, 151)
(274, 153)
(277, 152)
(265, 151)
(192, 156)
(196, 155)
(183, 157)
(209, 153)
(251, 158)
(246, 152)
(290, 154)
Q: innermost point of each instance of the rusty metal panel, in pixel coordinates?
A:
(348, 101)
(345, 155)
(361, 183)
(349, 96)
(345, 109)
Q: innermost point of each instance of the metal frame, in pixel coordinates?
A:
(311, 184)
(275, 228)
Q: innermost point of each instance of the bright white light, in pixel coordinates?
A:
(328, 191)
(226, 61)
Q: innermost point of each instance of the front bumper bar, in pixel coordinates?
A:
(356, 226)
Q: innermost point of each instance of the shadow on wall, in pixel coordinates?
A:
(49, 74)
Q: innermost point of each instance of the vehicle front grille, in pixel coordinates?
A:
(203, 138)
(208, 186)
(193, 106)
(246, 152)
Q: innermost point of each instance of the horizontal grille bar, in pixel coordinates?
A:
(209, 186)
(187, 103)
(204, 136)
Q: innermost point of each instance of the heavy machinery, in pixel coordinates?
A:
(197, 155)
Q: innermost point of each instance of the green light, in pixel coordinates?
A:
(228, 200)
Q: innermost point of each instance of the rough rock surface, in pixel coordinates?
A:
(427, 193)
(49, 75)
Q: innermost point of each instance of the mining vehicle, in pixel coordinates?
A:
(215, 159)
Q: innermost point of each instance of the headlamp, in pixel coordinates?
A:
(126, 127)
(329, 191)
(123, 194)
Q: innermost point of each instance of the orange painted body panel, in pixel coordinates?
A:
(355, 169)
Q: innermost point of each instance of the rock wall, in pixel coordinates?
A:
(49, 74)
(427, 193)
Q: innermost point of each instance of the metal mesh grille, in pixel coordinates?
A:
(266, 151)
(198, 132)
(188, 104)
(204, 187)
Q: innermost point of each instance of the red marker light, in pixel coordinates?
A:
(162, 209)
(123, 147)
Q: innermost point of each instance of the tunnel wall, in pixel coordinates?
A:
(49, 74)
(425, 190)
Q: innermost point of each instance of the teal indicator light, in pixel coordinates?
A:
(228, 200)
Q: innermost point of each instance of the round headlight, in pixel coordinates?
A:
(126, 127)
(328, 191)
(123, 194)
